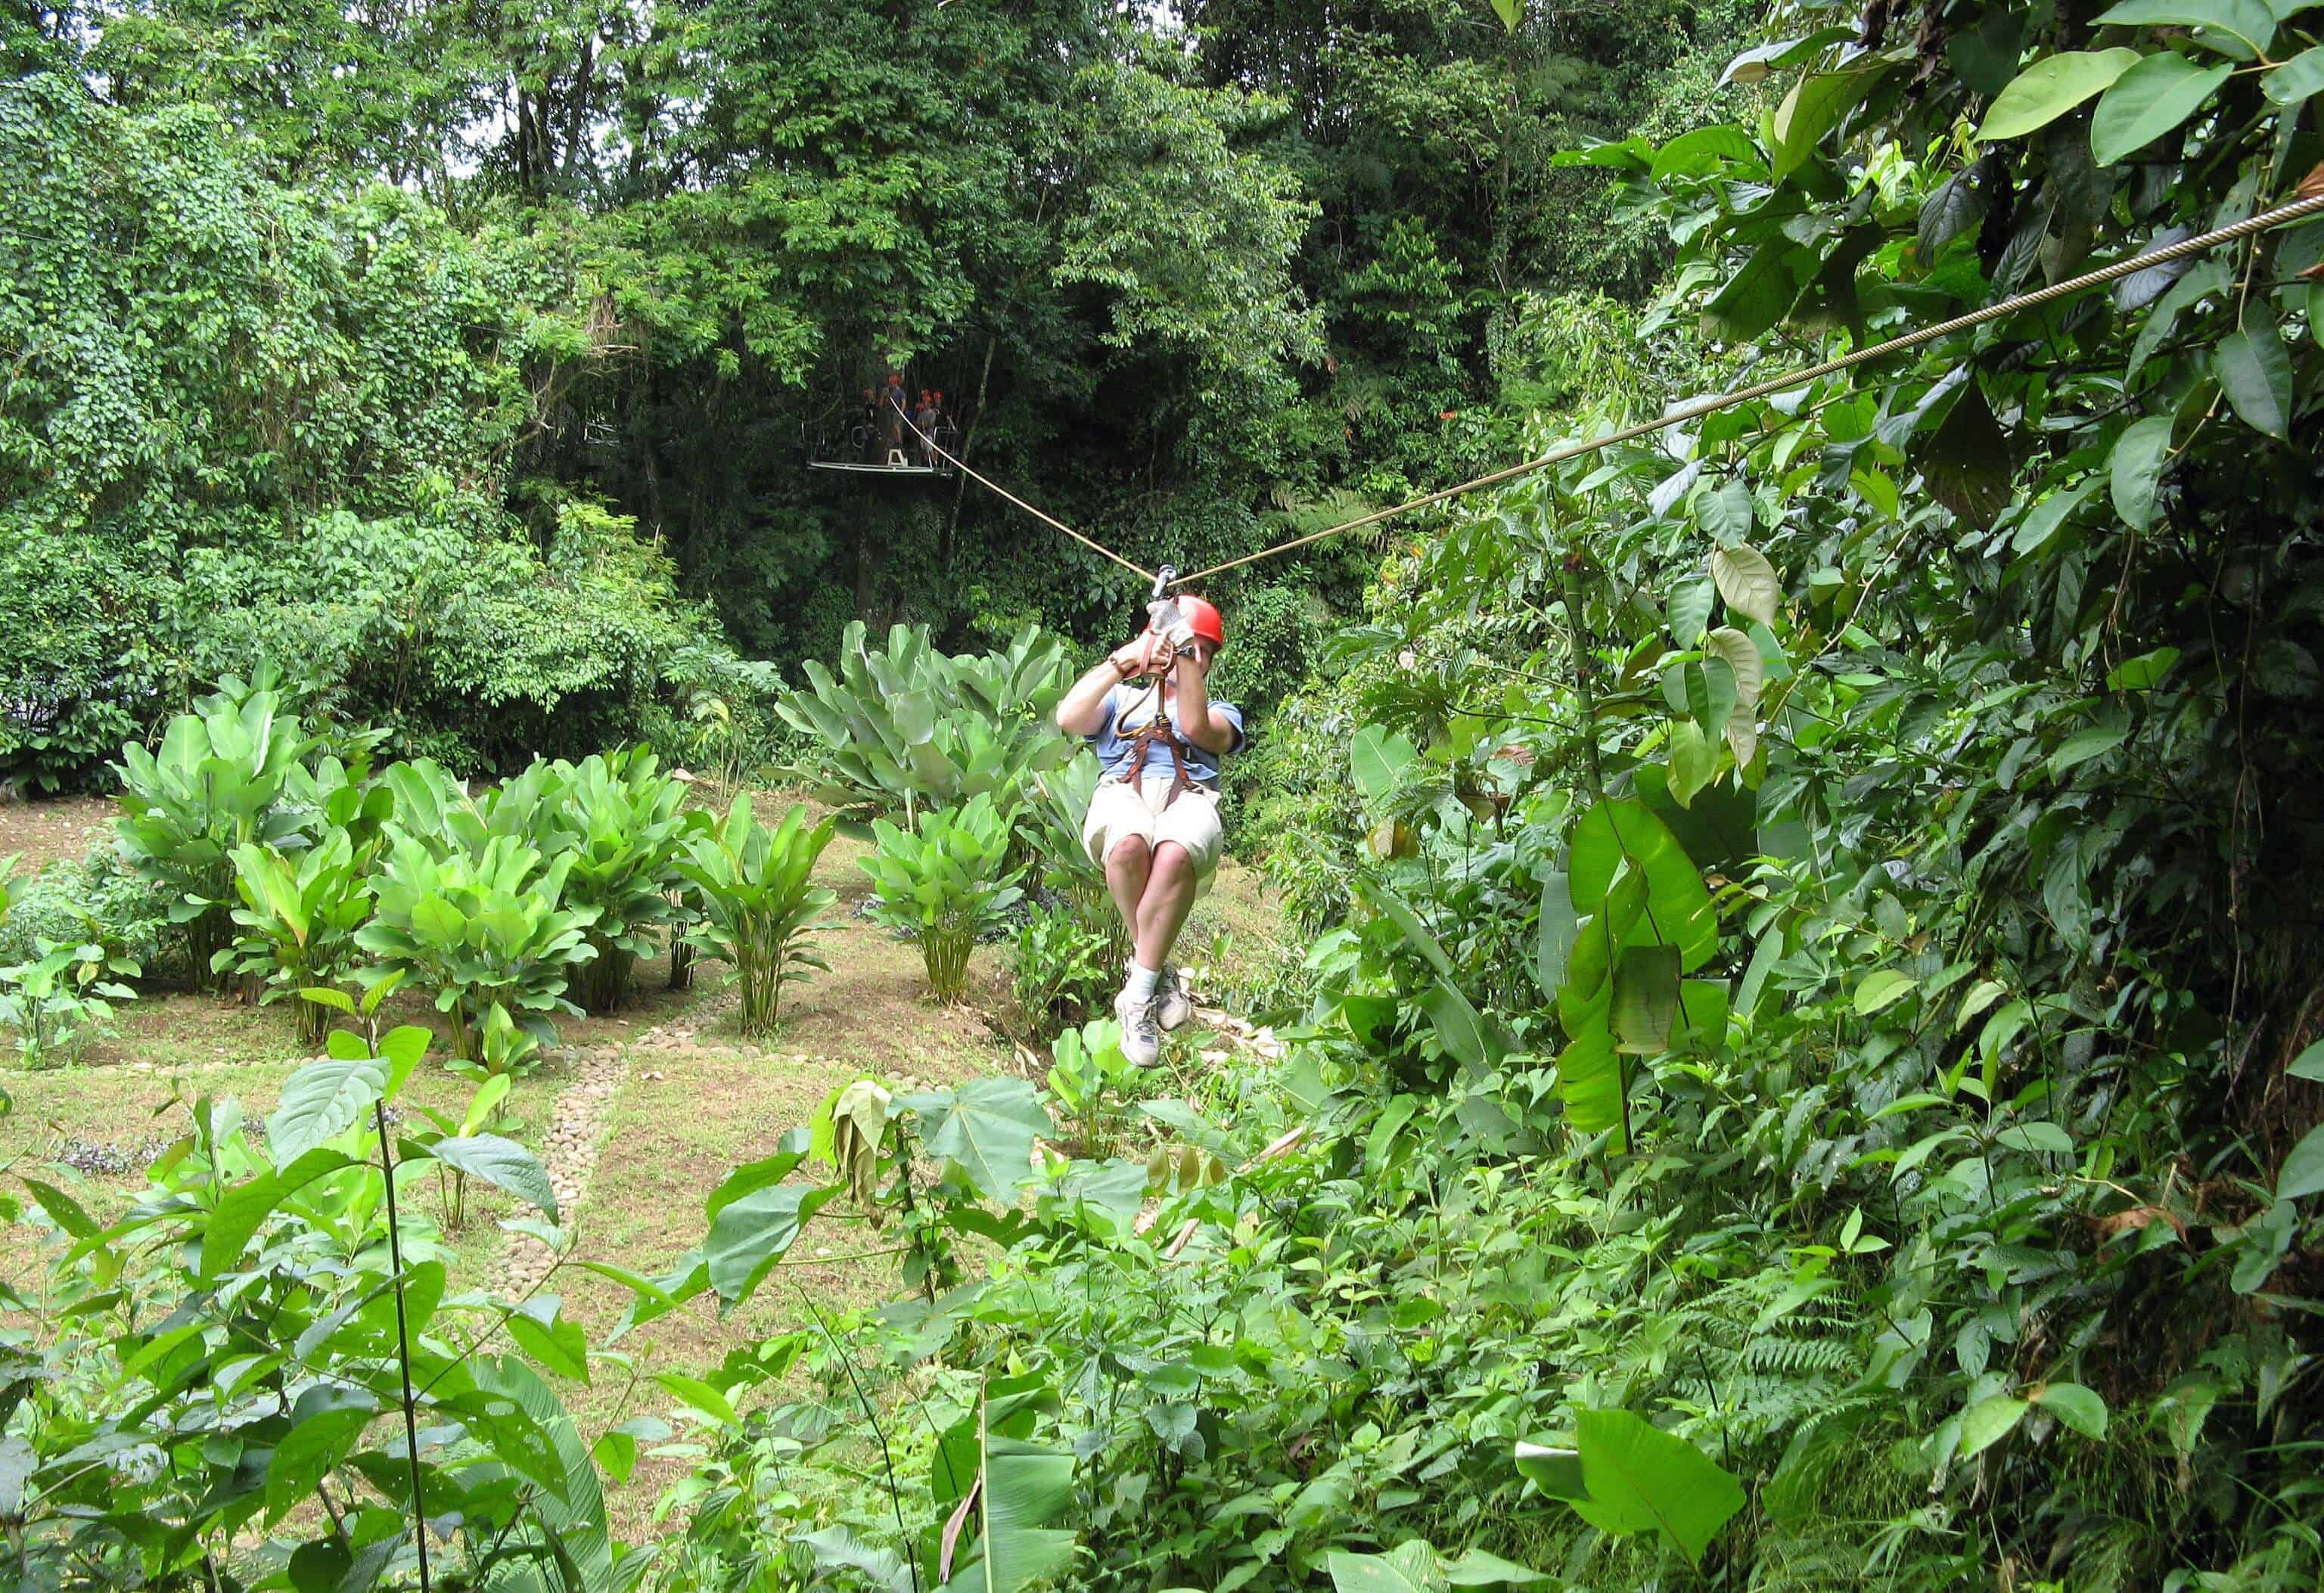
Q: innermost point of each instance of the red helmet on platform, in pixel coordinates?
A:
(1204, 617)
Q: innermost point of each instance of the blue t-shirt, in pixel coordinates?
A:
(1113, 749)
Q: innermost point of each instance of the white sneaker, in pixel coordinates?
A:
(1172, 1009)
(1141, 1039)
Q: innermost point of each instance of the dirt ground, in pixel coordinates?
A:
(689, 1099)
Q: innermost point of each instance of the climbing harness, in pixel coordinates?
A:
(2309, 201)
(1159, 729)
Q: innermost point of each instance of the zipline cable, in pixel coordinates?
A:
(2308, 204)
(2309, 200)
(1048, 520)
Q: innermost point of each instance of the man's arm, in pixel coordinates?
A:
(1212, 733)
(1081, 712)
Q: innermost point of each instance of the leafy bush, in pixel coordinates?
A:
(1091, 1078)
(58, 1001)
(618, 819)
(97, 899)
(907, 728)
(1056, 803)
(263, 1334)
(758, 902)
(218, 783)
(946, 884)
(299, 915)
(1062, 969)
(485, 933)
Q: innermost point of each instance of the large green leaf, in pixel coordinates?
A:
(1748, 582)
(1641, 1479)
(1589, 1083)
(2299, 78)
(1645, 998)
(244, 1207)
(501, 1161)
(750, 1236)
(2151, 99)
(2051, 88)
(988, 1128)
(322, 1099)
(2136, 468)
(1457, 1023)
(308, 1453)
(1676, 909)
(1409, 1568)
(2302, 1174)
(1815, 106)
(2248, 23)
(1556, 930)
(2254, 371)
(1377, 757)
(1021, 1489)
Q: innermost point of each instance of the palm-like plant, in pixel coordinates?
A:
(758, 902)
(488, 934)
(618, 819)
(946, 884)
(217, 783)
(299, 915)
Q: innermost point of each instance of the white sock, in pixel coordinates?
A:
(1141, 982)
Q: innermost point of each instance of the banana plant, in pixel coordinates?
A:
(299, 915)
(619, 819)
(946, 885)
(905, 727)
(489, 935)
(217, 783)
(758, 902)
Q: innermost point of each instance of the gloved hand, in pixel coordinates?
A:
(1161, 615)
(1181, 634)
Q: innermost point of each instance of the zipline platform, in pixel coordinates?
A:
(862, 468)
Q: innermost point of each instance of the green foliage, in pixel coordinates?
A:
(219, 783)
(485, 930)
(1061, 969)
(618, 819)
(759, 903)
(947, 885)
(1092, 1079)
(298, 915)
(59, 1000)
(253, 419)
(257, 1338)
(908, 728)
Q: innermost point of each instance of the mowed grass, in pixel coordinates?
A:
(698, 1100)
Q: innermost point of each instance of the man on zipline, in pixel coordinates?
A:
(1153, 824)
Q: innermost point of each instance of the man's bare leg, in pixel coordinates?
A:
(1162, 910)
(1127, 866)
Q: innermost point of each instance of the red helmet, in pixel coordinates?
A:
(1204, 617)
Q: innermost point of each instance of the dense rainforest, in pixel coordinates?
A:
(1794, 1052)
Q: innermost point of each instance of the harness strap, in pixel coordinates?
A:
(1142, 741)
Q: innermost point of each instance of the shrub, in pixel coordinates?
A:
(488, 936)
(946, 884)
(1091, 1078)
(96, 899)
(617, 818)
(758, 902)
(217, 783)
(59, 1001)
(298, 914)
(1061, 969)
(908, 728)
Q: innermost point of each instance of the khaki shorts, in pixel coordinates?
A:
(1120, 811)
